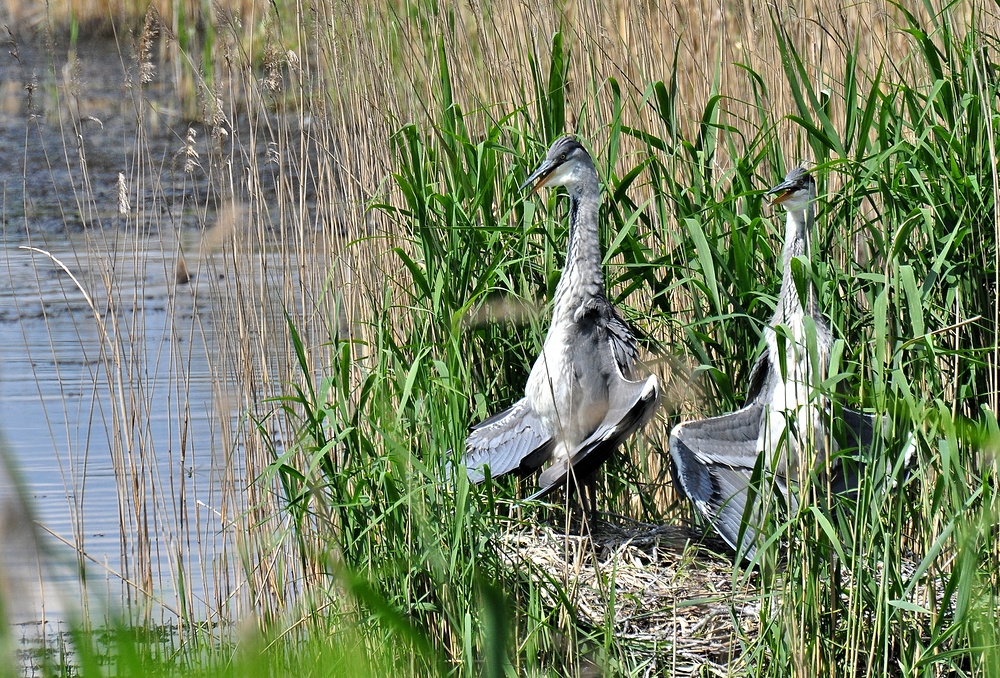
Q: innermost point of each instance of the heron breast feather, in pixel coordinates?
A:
(568, 385)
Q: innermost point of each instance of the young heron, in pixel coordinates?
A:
(784, 419)
(584, 396)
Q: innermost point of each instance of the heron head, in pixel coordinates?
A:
(796, 191)
(566, 164)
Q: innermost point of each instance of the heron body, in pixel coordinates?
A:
(793, 418)
(584, 395)
(784, 425)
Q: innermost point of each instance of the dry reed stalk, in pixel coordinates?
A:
(324, 110)
(678, 604)
(631, 42)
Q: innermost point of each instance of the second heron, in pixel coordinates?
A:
(786, 427)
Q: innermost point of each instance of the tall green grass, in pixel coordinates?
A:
(362, 553)
(907, 204)
(910, 197)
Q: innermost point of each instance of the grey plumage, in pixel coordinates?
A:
(783, 431)
(584, 395)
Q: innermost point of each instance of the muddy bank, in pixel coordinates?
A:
(91, 146)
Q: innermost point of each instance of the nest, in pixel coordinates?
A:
(649, 585)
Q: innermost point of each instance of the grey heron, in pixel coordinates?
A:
(584, 395)
(784, 423)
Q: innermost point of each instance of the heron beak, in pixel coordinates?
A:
(539, 177)
(777, 200)
(781, 193)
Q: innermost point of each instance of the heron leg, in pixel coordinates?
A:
(589, 497)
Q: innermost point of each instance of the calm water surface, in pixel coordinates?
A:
(119, 426)
(67, 428)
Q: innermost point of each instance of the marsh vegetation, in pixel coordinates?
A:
(318, 205)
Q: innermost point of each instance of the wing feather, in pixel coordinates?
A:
(713, 463)
(607, 407)
(633, 404)
(512, 440)
(858, 436)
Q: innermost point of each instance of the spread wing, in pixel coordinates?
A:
(713, 463)
(714, 460)
(513, 440)
(623, 345)
(607, 407)
(761, 379)
(632, 404)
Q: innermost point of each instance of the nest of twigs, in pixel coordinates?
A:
(648, 584)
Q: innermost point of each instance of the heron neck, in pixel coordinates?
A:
(797, 227)
(581, 276)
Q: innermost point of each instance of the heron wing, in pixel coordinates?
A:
(761, 379)
(860, 429)
(713, 463)
(858, 433)
(512, 440)
(633, 404)
(612, 405)
(623, 345)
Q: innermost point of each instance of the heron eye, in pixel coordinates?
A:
(562, 156)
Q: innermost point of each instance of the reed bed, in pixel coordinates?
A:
(348, 255)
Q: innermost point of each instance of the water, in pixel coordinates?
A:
(127, 389)
(73, 411)
(116, 414)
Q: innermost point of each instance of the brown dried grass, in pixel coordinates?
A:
(646, 585)
(341, 94)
